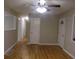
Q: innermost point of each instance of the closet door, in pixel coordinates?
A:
(61, 34)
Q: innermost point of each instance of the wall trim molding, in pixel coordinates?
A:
(48, 43)
(69, 53)
(9, 49)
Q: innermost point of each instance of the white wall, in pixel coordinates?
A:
(69, 45)
(9, 23)
(49, 29)
(9, 20)
(10, 33)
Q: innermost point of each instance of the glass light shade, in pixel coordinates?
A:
(41, 9)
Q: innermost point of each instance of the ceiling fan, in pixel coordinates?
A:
(43, 7)
(42, 3)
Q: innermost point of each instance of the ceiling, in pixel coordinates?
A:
(23, 7)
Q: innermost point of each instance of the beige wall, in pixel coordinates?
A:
(69, 45)
(49, 29)
(10, 33)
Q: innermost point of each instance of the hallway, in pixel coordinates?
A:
(26, 51)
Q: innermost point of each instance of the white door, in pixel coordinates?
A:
(34, 30)
(61, 34)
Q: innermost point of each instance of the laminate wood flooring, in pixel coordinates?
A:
(33, 51)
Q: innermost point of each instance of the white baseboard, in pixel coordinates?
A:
(69, 53)
(48, 44)
(9, 49)
(44, 43)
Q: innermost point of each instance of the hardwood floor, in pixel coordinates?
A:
(24, 51)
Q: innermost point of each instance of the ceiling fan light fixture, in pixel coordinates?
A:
(41, 9)
(42, 2)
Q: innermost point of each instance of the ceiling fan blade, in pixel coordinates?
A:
(54, 6)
